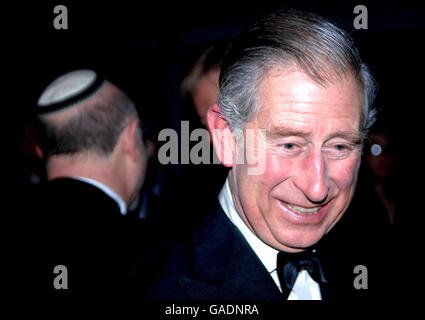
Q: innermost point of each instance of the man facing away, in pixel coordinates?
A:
(91, 139)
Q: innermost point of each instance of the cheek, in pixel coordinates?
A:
(264, 186)
(278, 170)
(344, 173)
(255, 189)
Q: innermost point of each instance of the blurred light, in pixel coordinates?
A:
(376, 149)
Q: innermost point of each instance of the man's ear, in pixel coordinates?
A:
(222, 137)
(131, 139)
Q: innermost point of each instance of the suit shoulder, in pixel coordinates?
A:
(155, 276)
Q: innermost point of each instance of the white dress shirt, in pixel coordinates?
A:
(111, 193)
(305, 288)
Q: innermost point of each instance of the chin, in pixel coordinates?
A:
(302, 244)
(300, 239)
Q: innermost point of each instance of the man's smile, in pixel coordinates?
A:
(302, 214)
(303, 210)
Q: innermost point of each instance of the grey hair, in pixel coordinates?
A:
(325, 52)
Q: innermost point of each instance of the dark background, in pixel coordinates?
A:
(146, 48)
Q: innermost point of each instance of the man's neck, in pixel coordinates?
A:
(100, 170)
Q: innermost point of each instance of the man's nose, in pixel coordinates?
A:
(313, 178)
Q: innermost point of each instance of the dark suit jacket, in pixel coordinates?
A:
(82, 228)
(214, 261)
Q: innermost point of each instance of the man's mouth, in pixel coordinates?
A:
(304, 214)
(303, 210)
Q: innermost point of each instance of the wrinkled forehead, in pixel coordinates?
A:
(290, 94)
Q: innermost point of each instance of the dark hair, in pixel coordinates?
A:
(319, 48)
(95, 125)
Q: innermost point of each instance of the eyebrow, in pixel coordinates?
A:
(353, 137)
(277, 132)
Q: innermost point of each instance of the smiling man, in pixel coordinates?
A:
(297, 82)
(312, 156)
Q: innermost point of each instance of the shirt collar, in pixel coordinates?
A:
(265, 253)
(111, 193)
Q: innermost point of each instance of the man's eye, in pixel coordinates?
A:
(339, 151)
(288, 149)
(340, 147)
(289, 146)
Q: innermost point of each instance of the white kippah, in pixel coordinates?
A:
(66, 86)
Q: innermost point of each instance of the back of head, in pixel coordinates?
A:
(323, 51)
(81, 113)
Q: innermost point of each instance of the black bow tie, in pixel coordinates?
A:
(289, 264)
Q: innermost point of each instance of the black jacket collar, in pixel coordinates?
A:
(224, 266)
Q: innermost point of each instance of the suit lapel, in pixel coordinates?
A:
(246, 276)
(225, 267)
